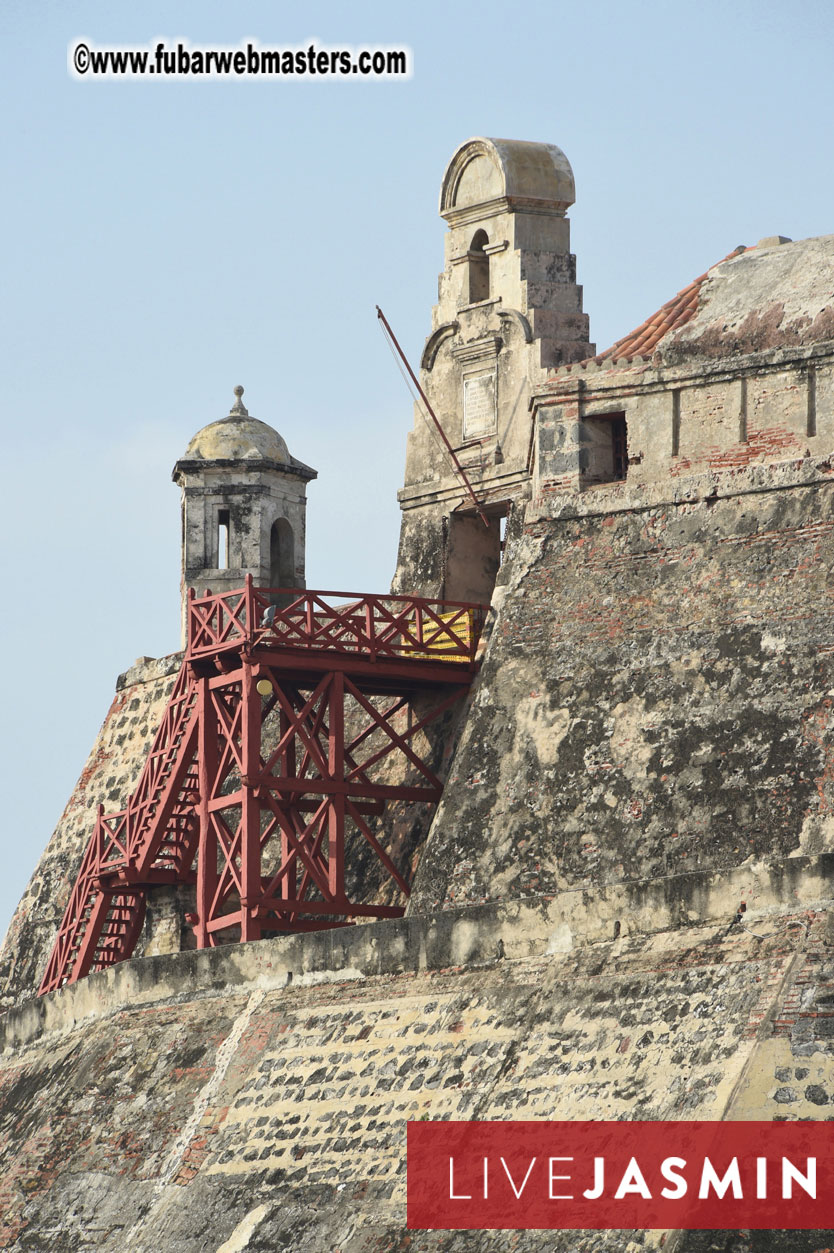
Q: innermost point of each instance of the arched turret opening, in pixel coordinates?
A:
(478, 268)
(281, 554)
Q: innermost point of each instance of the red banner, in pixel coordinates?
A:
(621, 1175)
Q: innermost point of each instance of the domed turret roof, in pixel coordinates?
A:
(238, 438)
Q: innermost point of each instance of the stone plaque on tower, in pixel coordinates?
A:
(479, 416)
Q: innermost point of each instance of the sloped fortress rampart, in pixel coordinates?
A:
(622, 907)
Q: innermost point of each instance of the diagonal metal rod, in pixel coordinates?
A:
(433, 416)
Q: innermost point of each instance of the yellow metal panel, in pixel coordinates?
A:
(440, 649)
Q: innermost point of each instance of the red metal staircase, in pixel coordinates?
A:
(277, 745)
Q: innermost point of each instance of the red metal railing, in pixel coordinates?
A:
(102, 920)
(369, 626)
(211, 795)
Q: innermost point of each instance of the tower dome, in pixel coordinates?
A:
(243, 504)
(238, 437)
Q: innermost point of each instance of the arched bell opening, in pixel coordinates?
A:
(478, 268)
(281, 556)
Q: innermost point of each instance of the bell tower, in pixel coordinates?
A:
(509, 310)
(244, 500)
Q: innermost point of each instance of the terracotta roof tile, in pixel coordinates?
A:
(643, 340)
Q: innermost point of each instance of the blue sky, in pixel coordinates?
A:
(167, 240)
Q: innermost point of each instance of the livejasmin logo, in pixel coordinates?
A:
(621, 1175)
(633, 1180)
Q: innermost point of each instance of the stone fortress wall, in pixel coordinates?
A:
(669, 669)
(256, 1097)
(648, 745)
(108, 777)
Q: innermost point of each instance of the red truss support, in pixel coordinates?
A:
(291, 725)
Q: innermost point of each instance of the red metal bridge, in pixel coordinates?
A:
(295, 718)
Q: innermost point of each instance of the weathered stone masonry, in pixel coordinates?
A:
(173, 1099)
(670, 672)
(107, 778)
(648, 745)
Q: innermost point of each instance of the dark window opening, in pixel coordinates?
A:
(603, 456)
(474, 553)
(604, 449)
(619, 441)
(282, 555)
(223, 539)
(478, 268)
